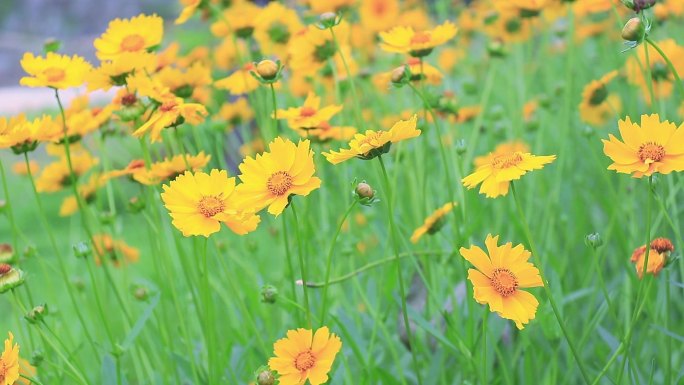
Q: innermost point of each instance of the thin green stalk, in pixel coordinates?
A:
(649, 74)
(324, 306)
(679, 83)
(484, 347)
(357, 106)
(10, 211)
(207, 302)
(402, 291)
(31, 379)
(552, 301)
(302, 266)
(288, 257)
(275, 111)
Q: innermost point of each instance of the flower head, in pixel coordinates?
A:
(54, 70)
(373, 143)
(239, 82)
(433, 223)
(662, 79)
(189, 8)
(270, 178)
(652, 146)
(310, 115)
(9, 362)
(597, 103)
(498, 277)
(200, 202)
(173, 111)
(137, 34)
(113, 250)
(657, 256)
(304, 356)
(417, 43)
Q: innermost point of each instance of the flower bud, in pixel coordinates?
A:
(496, 49)
(37, 358)
(264, 376)
(135, 205)
(364, 190)
(461, 146)
(6, 253)
(141, 293)
(10, 277)
(593, 240)
(638, 5)
(81, 250)
(634, 30)
(328, 20)
(36, 314)
(269, 294)
(267, 69)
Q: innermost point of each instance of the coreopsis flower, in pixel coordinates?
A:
(54, 70)
(663, 79)
(433, 223)
(499, 276)
(417, 43)
(449, 57)
(236, 112)
(650, 147)
(310, 115)
(508, 27)
(189, 8)
(56, 175)
(200, 202)
(149, 86)
(9, 362)
(274, 28)
(20, 168)
(311, 49)
(22, 135)
(239, 82)
(498, 169)
(379, 15)
(183, 82)
(598, 105)
(467, 113)
(86, 191)
(305, 355)
(239, 19)
(228, 53)
(660, 250)
(172, 112)
(138, 34)
(169, 169)
(114, 72)
(113, 250)
(325, 132)
(133, 166)
(270, 178)
(374, 143)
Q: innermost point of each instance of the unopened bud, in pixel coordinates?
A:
(398, 74)
(264, 376)
(36, 314)
(141, 293)
(461, 146)
(634, 30)
(81, 250)
(593, 240)
(10, 277)
(638, 5)
(328, 20)
(269, 294)
(267, 69)
(364, 190)
(6, 253)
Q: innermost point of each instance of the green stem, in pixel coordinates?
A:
(484, 347)
(206, 299)
(275, 111)
(324, 306)
(552, 301)
(302, 266)
(357, 106)
(402, 291)
(31, 379)
(10, 212)
(680, 85)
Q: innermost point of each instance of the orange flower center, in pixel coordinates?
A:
(305, 361)
(420, 38)
(132, 43)
(507, 160)
(54, 74)
(651, 152)
(662, 245)
(504, 282)
(5, 268)
(324, 126)
(279, 183)
(211, 205)
(307, 112)
(168, 106)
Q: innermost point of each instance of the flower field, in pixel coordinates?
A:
(350, 192)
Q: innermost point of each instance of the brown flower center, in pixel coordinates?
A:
(305, 361)
(132, 43)
(54, 74)
(279, 183)
(5, 268)
(307, 112)
(211, 205)
(651, 152)
(507, 160)
(168, 106)
(662, 245)
(504, 282)
(420, 38)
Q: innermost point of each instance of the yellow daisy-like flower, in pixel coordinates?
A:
(20, 168)
(200, 202)
(9, 362)
(56, 176)
(378, 15)
(523, 8)
(22, 135)
(169, 169)
(189, 8)
(502, 149)
(417, 43)
(663, 79)
(325, 132)
(498, 277)
(311, 49)
(374, 143)
(598, 105)
(498, 169)
(182, 82)
(433, 223)
(239, 82)
(657, 256)
(270, 178)
(310, 115)
(173, 111)
(137, 34)
(113, 250)
(274, 28)
(114, 73)
(652, 146)
(86, 192)
(304, 356)
(239, 19)
(54, 70)
(236, 112)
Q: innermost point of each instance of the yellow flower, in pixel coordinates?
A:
(239, 19)
(657, 256)
(467, 113)
(236, 112)
(270, 178)
(449, 57)
(663, 79)
(174, 111)
(598, 105)
(86, 192)
(310, 115)
(137, 34)
(498, 169)
(304, 356)
(169, 169)
(378, 15)
(374, 143)
(55, 176)
(189, 8)
(325, 132)
(240, 81)
(54, 70)
(114, 72)
(417, 43)
(22, 135)
(433, 223)
(200, 202)
(311, 49)
(274, 28)
(652, 146)
(183, 82)
(20, 168)
(113, 250)
(508, 27)
(498, 277)
(149, 86)
(133, 166)
(228, 52)
(9, 362)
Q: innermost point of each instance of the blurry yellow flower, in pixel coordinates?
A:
(21, 134)
(169, 169)
(652, 146)
(133, 167)
(448, 58)
(523, 8)
(85, 191)
(529, 109)
(200, 202)
(433, 223)
(498, 277)
(597, 104)
(270, 178)
(310, 115)
(321, 6)
(55, 176)
(325, 132)
(228, 52)
(274, 28)
(148, 86)
(498, 170)
(374, 143)
(114, 73)
(137, 34)
(182, 82)
(252, 148)
(113, 250)
(467, 113)
(379, 15)
(171, 113)
(311, 49)
(508, 27)
(189, 8)
(304, 356)
(657, 256)
(417, 43)
(663, 79)
(9, 362)
(240, 81)
(54, 70)
(239, 19)
(236, 112)
(20, 168)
